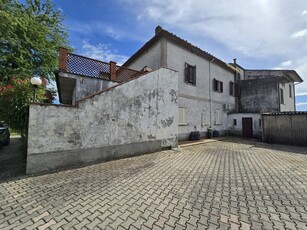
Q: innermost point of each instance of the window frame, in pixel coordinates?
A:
(218, 117)
(218, 86)
(190, 74)
(182, 113)
(281, 95)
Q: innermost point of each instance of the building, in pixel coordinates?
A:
(206, 84)
(261, 91)
(212, 94)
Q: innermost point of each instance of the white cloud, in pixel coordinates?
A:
(300, 34)
(254, 29)
(301, 94)
(286, 64)
(102, 52)
(304, 12)
(301, 103)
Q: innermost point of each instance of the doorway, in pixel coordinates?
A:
(247, 127)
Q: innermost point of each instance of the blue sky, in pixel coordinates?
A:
(264, 34)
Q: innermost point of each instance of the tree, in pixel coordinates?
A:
(15, 98)
(30, 36)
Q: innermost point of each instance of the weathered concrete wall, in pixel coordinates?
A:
(259, 95)
(137, 117)
(287, 129)
(85, 86)
(237, 129)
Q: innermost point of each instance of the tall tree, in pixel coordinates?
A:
(30, 36)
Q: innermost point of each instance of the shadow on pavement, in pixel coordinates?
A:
(12, 161)
(259, 144)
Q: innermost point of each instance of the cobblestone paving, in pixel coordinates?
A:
(220, 185)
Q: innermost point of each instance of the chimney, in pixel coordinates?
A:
(112, 71)
(63, 58)
(158, 29)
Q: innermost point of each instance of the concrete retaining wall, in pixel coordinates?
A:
(140, 116)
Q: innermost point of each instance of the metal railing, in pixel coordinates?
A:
(77, 64)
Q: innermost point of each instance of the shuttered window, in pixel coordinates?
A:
(190, 74)
(218, 117)
(281, 94)
(290, 90)
(217, 86)
(182, 116)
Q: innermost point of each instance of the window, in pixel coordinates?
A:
(182, 116)
(231, 88)
(203, 120)
(281, 94)
(218, 117)
(190, 74)
(234, 122)
(259, 122)
(217, 86)
(290, 90)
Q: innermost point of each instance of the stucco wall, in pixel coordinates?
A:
(137, 117)
(289, 104)
(237, 129)
(151, 58)
(196, 99)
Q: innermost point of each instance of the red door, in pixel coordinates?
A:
(247, 127)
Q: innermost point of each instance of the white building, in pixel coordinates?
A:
(206, 83)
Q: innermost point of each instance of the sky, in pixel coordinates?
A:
(261, 34)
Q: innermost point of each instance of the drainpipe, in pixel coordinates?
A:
(210, 92)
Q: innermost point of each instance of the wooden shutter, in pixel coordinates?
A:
(215, 87)
(186, 73)
(194, 75)
(182, 116)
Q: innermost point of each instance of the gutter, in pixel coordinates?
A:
(210, 92)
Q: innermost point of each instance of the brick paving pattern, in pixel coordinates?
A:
(220, 185)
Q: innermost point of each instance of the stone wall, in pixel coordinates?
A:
(140, 116)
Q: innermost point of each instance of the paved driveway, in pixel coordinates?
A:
(230, 184)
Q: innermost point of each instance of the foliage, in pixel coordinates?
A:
(15, 98)
(30, 36)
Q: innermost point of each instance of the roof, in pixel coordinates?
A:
(286, 113)
(290, 75)
(161, 33)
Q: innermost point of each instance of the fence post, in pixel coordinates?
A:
(63, 59)
(112, 71)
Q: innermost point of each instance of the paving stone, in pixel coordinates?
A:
(234, 184)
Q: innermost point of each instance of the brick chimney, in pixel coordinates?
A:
(63, 58)
(112, 71)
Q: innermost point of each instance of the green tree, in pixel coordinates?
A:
(30, 36)
(15, 98)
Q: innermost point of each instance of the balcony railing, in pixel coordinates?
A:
(80, 65)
